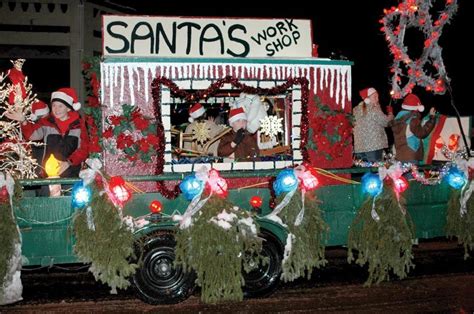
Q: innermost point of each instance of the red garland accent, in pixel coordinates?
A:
(92, 110)
(213, 88)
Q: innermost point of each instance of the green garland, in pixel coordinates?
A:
(386, 245)
(109, 247)
(216, 254)
(9, 235)
(459, 226)
(307, 239)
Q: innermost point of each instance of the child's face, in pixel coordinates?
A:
(60, 110)
(239, 124)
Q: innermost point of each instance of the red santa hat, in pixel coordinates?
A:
(237, 114)
(412, 102)
(39, 109)
(68, 97)
(196, 111)
(366, 93)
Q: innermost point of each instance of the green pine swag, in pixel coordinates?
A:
(216, 254)
(307, 244)
(459, 226)
(9, 235)
(386, 245)
(109, 247)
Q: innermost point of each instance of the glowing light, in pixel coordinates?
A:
(256, 201)
(456, 178)
(81, 195)
(371, 184)
(191, 186)
(400, 184)
(286, 181)
(118, 189)
(155, 207)
(52, 166)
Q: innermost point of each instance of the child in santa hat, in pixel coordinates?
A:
(370, 122)
(408, 129)
(238, 144)
(63, 131)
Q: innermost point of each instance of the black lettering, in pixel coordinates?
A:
(148, 35)
(281, 27)
(170, 43)
(217, 37)
(271, 31)
(296, 36)
(190, 27)
(286, 40)
(270, 50)
(260, 37)
(290, 24)
(238, 40)
(126, 44)
(277, 45)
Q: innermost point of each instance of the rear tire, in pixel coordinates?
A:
(264, 279)
(157, 281)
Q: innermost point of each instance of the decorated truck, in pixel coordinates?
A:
(161, 206)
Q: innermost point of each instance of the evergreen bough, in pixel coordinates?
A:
(385, 245)
(109, 248)
(217, 254)
(307, 239)
(459, 226)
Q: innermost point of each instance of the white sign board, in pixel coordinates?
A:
(155, 36)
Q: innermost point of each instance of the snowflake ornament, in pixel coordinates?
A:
(201, 132)
(271, 125)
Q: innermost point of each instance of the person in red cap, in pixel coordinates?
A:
(63, 131)
(408, 129)
(238, 144)
(370, 138)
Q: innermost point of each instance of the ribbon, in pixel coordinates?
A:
(90, 219)
(373, 213)
(465, 195)
(88, 175)
(299, 218)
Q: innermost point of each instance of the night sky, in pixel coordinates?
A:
(351, 28)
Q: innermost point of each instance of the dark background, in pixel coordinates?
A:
(352, 29)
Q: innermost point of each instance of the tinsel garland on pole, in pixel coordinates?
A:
(10, 246)
(108, 245)
(459, 223)
(385, 243)
(221, 240)
(305, 244)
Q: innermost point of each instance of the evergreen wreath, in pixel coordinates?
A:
(461, 225)
(306, 241)
(108, 246)
(385, 245)
(220, 242)
(331, 130)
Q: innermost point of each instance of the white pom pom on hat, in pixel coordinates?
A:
(366, 93)
(68, 97)
(412, 102)
(38, 110)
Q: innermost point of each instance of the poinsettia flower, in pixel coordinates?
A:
(93, 102)
(115, 120)
(108, 133)
(153, 140)
(143, 145)
(95, 84)
(141, 123)
(124, 141)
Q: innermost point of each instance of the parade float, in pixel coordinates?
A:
(156, 207)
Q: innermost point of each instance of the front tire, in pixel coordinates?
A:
(264, 279)
(157, 281)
